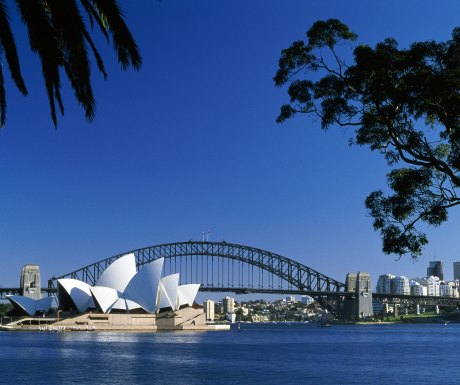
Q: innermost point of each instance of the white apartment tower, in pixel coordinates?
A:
(209, 310)
(229, 305)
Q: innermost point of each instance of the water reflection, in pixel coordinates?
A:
(254, 354)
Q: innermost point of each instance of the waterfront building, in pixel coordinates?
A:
(260, 318)
(400, 285)
(433, 286)
(291, 299)
(307, 300)
(435, 269)
(418, 289)
(445, 290)
(456, 270)
(449, 289)
(209, 310)
(30, 282)
(229, 304)
(455, 287)
(384, 283)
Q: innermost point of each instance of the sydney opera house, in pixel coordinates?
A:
(122, 298)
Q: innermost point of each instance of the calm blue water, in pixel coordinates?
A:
(255, 354)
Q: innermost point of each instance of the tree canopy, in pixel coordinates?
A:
(403, 103)
(59, 34)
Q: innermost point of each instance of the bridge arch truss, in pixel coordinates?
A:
(227, 267)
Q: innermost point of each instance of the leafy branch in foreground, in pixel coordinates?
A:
(402, 103)
(59, 35)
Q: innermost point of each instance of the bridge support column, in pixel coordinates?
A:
(395, 307)
(417, 309)
(436, 309)
(358, 305)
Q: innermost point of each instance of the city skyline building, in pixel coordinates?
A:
(418, 289)
(446, 289)
(456, 271)
(384, 283)
(400, 285)
(433, 286)
(435, 269)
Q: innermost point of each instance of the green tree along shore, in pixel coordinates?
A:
(402, 103)
(4, 309)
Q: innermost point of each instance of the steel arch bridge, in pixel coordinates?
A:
(228, 267)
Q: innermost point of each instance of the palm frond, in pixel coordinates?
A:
(124, 44)
(71, 31)
(93, 14)
(9, 47)
(2, 99)
(58, 34)
(99, 61)
(44, 41)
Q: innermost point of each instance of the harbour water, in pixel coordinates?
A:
(253, 354)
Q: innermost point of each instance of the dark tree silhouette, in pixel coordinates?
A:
(402, 103)
(59, 34)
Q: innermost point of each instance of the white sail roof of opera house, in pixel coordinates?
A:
(121, 288)
(29, 305)
(143, 287)
(119, 273)
(168, 291)
(186, 294)
(104, 297)
(79, 292)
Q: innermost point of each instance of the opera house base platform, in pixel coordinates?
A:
(183, 319)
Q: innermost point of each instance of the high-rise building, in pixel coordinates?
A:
(457, 270)
(209, 310)
(435, 269)
(384, 283)
(30, 281)
(228, 304)
(400, 285)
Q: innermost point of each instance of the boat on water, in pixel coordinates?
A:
(325, 325)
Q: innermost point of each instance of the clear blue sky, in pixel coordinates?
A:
(190, 143)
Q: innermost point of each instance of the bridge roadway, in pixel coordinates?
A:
(4, 291)
(416, 300)
(410, 300)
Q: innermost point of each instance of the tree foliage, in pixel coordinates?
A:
(4, 309)
(401, 102)
(59, 34)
